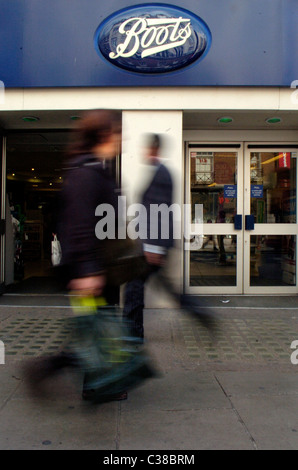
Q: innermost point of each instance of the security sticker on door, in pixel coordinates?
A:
(257, 191)
(230, 191)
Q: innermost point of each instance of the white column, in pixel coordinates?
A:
(134, 125)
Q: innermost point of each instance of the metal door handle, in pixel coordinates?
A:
(249, 222)
(2, 226)
(238, 222)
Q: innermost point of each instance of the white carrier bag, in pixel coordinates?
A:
(56, 252)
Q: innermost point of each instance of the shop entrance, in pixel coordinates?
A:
(248, 195)
(34, 163)
(32, 177)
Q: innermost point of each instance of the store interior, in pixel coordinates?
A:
(34, 176)
(35, 163)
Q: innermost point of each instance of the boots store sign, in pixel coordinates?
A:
(51, 44)
(152, 39)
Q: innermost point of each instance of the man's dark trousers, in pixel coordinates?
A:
(134, 303)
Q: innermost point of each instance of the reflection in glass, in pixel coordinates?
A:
(214, 185)
(273, 260)
(273, 187)
(215, 263)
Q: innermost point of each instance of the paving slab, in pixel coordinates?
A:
(183, 430)
(177, 390)
(238, 391)
(57, 425)
(261, 383)
(10, 381)
(271, 420)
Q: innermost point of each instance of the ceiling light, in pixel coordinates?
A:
(273, 120)
(30, 119)
(225, 120)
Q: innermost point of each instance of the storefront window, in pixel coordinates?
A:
(273, 187)
(215, 263)
(214, 185)
(273, 260)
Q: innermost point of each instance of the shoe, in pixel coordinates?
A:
(36, 373)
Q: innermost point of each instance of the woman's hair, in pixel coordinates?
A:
(93, 128)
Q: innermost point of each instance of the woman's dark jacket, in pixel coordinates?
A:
(86, 185)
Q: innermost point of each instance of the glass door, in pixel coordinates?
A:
(214, 181)
(270, 235)
(249, 219)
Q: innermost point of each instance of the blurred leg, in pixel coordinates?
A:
(133, 307)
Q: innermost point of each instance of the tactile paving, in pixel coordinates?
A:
(33, 336)
(240, 340)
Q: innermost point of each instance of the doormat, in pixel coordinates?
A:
(37, 285)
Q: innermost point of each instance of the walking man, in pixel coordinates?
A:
(156, 245)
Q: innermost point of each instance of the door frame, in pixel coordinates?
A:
(217, 229)
(266, 229)
(243, 208)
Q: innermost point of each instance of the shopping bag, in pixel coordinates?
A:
(56, 254)
(108, 356)
(124, 261)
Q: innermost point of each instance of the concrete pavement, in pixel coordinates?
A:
(236, 391)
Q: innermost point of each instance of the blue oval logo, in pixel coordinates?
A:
(152, 38)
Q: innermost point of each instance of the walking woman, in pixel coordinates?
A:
(110, 364)
(88, 184)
